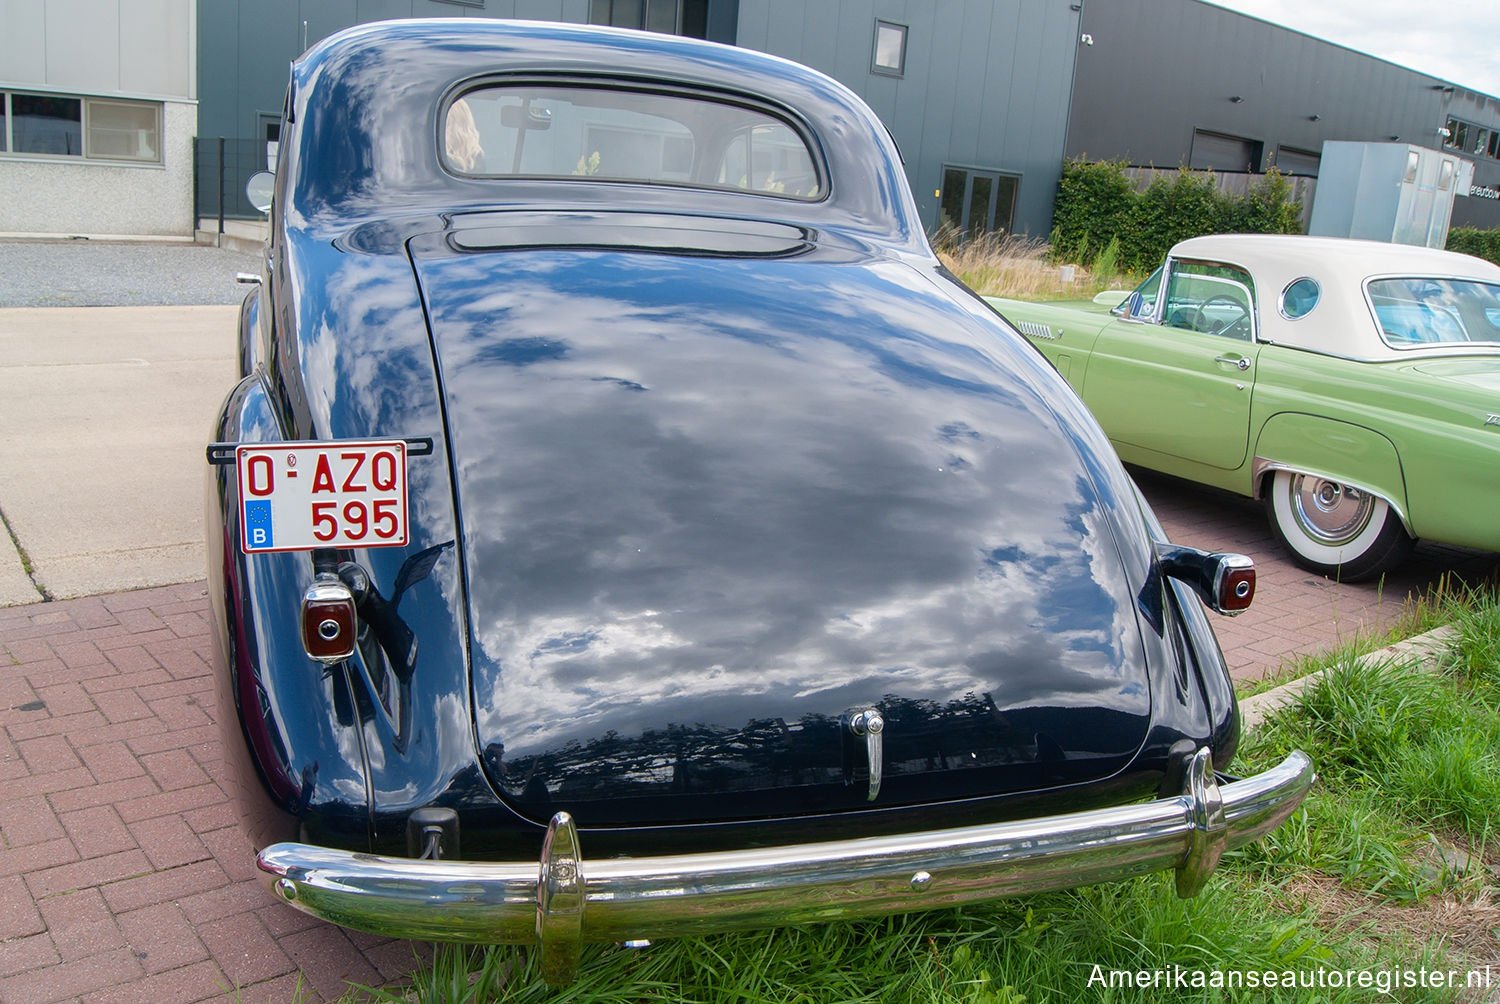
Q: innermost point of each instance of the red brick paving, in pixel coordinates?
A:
(1296, 612)
(123, 877)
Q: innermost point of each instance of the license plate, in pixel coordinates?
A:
(301, 496)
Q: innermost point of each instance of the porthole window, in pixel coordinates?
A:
(1298, 299)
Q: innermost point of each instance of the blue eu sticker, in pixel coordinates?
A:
(258, 526)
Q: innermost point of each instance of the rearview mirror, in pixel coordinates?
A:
(1129, 307)
(529, 117)
(259, 189)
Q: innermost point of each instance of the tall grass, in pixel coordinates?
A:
(1022, 268)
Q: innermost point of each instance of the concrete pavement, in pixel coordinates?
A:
(102, 427)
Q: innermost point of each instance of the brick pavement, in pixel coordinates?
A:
(1296, 612)
(123, 877)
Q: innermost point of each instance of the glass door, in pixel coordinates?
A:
(976, 201)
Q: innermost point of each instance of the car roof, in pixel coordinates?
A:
(366, 104)
(1271, 257)
(1340, 266)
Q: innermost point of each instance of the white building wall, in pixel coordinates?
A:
(138, 50)
(57, 196)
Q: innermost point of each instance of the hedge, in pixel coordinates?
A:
(1479, 243)
(1097, 204)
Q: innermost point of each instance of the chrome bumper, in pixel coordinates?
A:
(563, 900)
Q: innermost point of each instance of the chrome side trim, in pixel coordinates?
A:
(1036, 330)
(629, 899)
(1260, 467)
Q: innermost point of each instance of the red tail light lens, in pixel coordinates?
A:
(328, 620)
(1235, 583)
(1226, 582)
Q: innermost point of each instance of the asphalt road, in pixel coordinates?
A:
(84, 273)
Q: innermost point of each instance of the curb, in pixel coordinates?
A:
(1424, 650)
(228, 241)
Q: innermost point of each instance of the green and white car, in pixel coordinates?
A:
(1352, 385)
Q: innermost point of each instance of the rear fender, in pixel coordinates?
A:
(1339, 451)
(295, 755)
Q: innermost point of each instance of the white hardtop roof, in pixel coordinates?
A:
(1341, 324)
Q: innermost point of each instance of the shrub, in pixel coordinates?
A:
(1097, 205)
(1170, 211)
(1093, 205)
(1479, 243)
(1267, 208)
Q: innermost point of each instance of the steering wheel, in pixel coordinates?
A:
(1202, 322)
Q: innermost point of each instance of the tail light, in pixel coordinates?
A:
(1225, 582)
(328, 620)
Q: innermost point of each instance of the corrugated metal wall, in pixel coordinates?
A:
(986, 85)
(1159, 70)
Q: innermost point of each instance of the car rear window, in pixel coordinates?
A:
(1413, 312)
(613, 134)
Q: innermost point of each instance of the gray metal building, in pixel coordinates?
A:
(984, 97)
(1179, 82)
(975, 92)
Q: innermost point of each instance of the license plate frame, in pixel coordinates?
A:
(308, 495)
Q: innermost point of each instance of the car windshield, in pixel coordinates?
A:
(619, 135)
(1140, 304)
(1415, 312)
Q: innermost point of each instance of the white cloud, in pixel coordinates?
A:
(1451, 39)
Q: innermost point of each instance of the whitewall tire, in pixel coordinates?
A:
(1334, 529)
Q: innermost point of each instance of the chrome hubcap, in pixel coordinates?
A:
(1329, 512)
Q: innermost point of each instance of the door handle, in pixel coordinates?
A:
(1241, 361)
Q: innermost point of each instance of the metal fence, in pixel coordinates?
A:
(220, 169)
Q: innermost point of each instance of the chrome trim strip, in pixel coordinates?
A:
(1260, 466)
(624, 899)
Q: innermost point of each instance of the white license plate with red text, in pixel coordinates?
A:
(301, 496)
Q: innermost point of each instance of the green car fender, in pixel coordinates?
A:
(1340, 451)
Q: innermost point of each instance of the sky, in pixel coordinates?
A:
(1456, 40)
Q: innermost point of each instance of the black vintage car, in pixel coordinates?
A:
(624, 526)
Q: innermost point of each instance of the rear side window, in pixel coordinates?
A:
(1426, 311)
(618, 135)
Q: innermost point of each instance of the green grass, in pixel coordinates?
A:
(1444, 602)
(1409, 764)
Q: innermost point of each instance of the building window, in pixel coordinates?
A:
(1213, 151)
(668, 17)
(1456, 134)
(890, 48)
(1303, 163)
(977, 201)
(121, 130)
(1470, 139)
(43, 123)
(59, 125)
